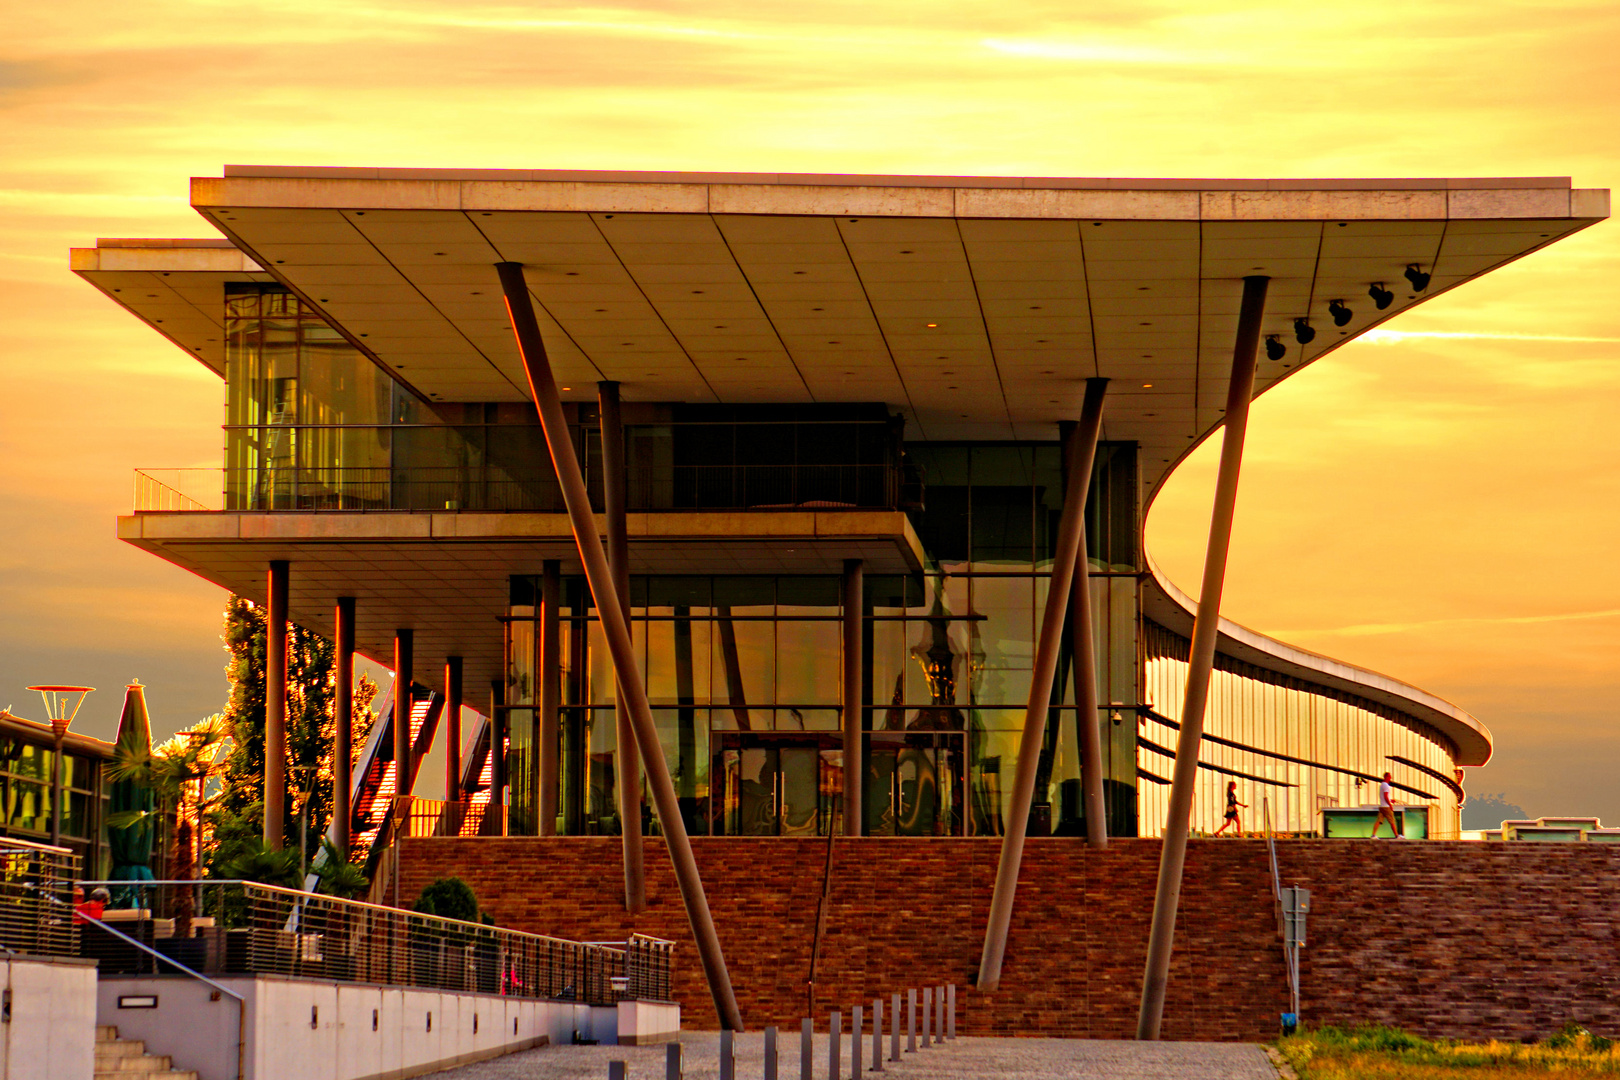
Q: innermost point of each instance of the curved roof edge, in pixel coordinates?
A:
(1166, 604)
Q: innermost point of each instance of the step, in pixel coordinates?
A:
(143, 1064)
(107, 1033)
(171, 1074)
(122, 1048)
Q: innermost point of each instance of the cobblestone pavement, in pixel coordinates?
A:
(1009, 1059)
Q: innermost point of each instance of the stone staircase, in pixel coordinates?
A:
(127, 1059)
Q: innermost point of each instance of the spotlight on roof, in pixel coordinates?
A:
(1417, 277)
(1340, 313)
(1275, 350)
(1303, 332)
(1381, 297)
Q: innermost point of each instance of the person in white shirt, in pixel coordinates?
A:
(1386, 810)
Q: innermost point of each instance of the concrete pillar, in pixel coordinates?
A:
(1080, 452)
(404, 676)
(452, 729)
(549, 633)
(854, 745)
(275, 705)
(498, 722)
(615, 498)
(343, 722)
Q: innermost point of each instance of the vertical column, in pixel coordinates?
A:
(854, 758)
(616, 629)
(1081, 453)
(404, 678)
(343, 722)
(615, 499)
(1071, 529)
(1173, 854)
(452, 729)
(275, 706)
(495, 820)
(549, 633)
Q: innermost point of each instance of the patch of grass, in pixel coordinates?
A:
(1380, 1053)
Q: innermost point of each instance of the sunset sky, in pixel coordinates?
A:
(1440, 503)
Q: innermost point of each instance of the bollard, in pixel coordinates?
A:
(950, 1029)
(616, 1071)
(855, 1043)
(770, 1053)
(939, 1016)
(928, 1002)
(877, 1034)
(673, 1069)
(807, 1049)
(835, 1027)
(728, 1054)
(911, 1021)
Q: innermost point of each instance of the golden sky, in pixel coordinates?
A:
(1440, 504)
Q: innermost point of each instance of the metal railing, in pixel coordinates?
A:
(432, 817)
(245, 928)
(36, 899)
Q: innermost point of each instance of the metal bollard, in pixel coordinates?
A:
(911, 1021)
(617, 1071)
(855, 1043)
(877, 1034)
(928, 1003)
(950, 1027)
(728, 1054)
(835, 1029)
(807, 1049)
(894, 1029)
(770, 1053)
(673, 1066)
(939, 1016)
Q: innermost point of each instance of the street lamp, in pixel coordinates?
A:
(61, 706)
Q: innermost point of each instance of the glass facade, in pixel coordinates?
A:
(26, 770)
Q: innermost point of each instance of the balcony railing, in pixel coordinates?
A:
(672, 488)
(36, 898)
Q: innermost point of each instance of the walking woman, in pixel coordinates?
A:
(1232, 806)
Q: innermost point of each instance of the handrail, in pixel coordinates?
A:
(241, 1003)
(1290, 951)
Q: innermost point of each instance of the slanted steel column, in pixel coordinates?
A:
(275, 705)
(343, 721)
(404, 675)
(452, 729)
(549, 633)
(1082, 454)
(854, 758)
(616, 629)
(628, 762)
(1173, 854)
(1071, 530)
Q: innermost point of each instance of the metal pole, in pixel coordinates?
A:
(1071, 528)
(550, 634)
(894, 1028)
(343, 721)
(877, 1034)
(911, 1021)
(772, 1061)
(617, 631)
(628, 763)
(275, 706)
(1080, 448)
(927, 1010)
(854, 750)
(404, 679)
(498, 723)
(452, 730)
(807, 1049)
(728, 1054)
(950, 1030)
(617, 1071)
(855, 1019)
(56, 791)
(674, 1066)
(1173, 854)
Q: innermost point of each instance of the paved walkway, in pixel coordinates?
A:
(1009, 1059)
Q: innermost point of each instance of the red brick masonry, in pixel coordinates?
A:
(1460, 939)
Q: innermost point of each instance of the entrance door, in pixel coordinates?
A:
(773, 786)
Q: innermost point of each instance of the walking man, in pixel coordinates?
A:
(1386, 810)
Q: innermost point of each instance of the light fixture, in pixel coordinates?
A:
(1417, 277)
(1303, 332)
(1381, 297)
(1147, 386)
(932, 325)
(1275, 349)
(1341, 314)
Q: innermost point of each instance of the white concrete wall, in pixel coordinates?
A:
(52, 1031)
(337, 1041)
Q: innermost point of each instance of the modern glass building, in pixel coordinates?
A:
(797, 384)
(27, 764)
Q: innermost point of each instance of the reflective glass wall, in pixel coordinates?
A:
(1298, 746)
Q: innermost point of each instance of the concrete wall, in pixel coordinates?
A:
(51, 1031)
(332, 1031)
(1443, 938)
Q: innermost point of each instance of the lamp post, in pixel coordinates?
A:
(303, 818)
(61, 706)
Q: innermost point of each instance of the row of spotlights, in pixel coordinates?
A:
(1305, 333)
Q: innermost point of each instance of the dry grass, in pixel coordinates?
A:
(1385, 1054)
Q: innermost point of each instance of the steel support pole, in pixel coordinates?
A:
(854, 750)
(1173, 854)
(275, 705)
(616, 629)
(499, 721)
(452, 729)
(628, 763)
(1071, 530)
(343, 722)
(1082, 454)
(404, 678)
(550, 634)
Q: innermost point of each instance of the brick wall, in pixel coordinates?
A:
(1467, 940)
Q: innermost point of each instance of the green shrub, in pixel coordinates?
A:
(449, 898)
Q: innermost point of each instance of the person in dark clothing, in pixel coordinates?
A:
(1232, 806)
